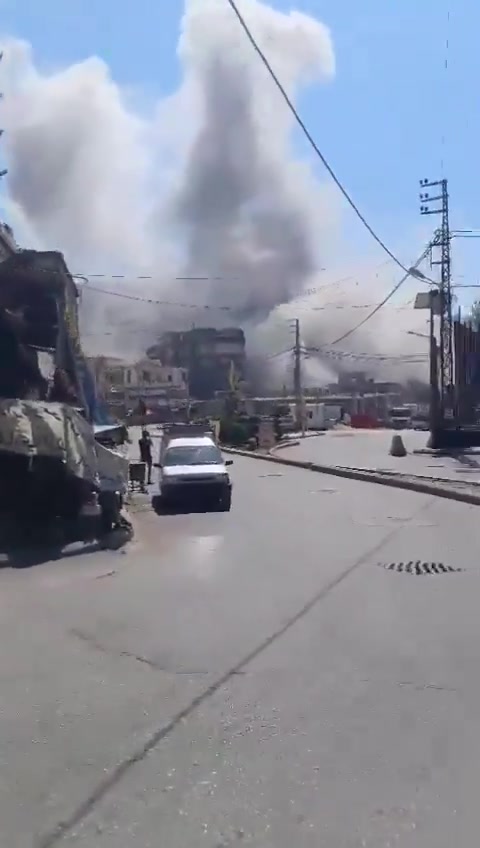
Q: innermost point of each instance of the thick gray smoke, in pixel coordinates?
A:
(204, 186)
(243, 224)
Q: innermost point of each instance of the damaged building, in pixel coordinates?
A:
(208, 356)
(38, 315)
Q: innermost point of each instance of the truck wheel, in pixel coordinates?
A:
(226, 501)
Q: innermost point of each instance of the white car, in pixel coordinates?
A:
(192, 469)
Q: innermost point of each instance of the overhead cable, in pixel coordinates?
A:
(301, 123)
(326, 306)
(382, 302)
(152, 300)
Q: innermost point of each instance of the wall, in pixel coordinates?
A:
(124, 384)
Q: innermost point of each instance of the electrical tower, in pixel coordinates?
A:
(441, 244)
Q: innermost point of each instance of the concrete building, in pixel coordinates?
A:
(124, 384)
(209, 355)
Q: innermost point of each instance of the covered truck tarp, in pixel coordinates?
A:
(113, 468)
(56, 430)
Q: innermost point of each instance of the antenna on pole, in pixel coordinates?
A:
(441, 241)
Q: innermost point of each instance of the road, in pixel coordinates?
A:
(370, 449)
(251, 678)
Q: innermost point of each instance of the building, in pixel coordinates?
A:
(8, 245)
(124, 384)
(210, 356)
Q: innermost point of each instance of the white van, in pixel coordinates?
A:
(192, 469)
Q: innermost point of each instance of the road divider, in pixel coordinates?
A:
(394, 481)
(397, 448)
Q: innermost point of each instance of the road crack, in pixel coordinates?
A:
(64, 827)
(93, 643)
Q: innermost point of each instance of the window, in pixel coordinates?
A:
(146, 377)
(190, 455)
(169, 378)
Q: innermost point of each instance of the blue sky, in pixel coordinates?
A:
(380, 122)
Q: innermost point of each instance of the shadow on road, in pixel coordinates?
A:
(179, 509)
(20, 556)
(467, 461)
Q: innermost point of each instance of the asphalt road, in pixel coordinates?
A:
(370, 449)
(251, 678)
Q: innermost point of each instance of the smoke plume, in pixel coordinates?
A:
(204, 185)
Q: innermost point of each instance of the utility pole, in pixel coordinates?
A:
(441, 241)
(297, 379)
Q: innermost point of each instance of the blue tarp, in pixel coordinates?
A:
(96, 406)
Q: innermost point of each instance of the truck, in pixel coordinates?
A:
(400, 417)
(56, 479)
(192, 469)
(317, 415)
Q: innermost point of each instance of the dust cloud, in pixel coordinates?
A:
(206, 185)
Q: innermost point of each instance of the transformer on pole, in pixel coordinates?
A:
(440, 255)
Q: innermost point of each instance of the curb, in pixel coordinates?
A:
(441, 452)
(366, 477)
(283, 445)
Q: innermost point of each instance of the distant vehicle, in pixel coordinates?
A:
(315, 418)
(400, 418)
(421, 416)
(420, 422)
(318, 416)
(192, 468)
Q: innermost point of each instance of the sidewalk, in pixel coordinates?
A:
(369, 450)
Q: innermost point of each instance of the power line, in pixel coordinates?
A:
(383, 302)
(326, 306)
(307, 293)
(280, 353)
(311, 140)
(413, 358)
(203, 279)
(445, 91)
(318, 289)
(154, 301)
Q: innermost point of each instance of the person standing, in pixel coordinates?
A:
(146, 452)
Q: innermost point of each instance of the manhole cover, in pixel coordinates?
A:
(418, 567)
